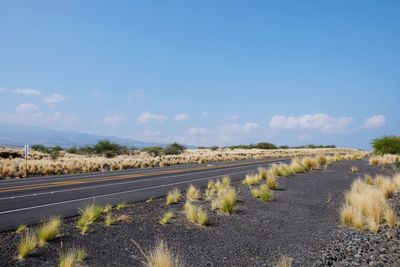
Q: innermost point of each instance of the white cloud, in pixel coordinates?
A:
(147, 117)
(180, 117)
(196, 131)
(375, 121)
(204, 114)
(35, 117)
(54, 99)
(26, 91)
(27, 107)
(317, 121)
(114, 119)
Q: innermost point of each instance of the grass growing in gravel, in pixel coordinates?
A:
(21, 228)
(121, 206)
(27, 244)
(225, 200)
(262, 192)
(366, 204)
(49, 230)
(88, 215)
(192, 193)
(354, 169)
(195, 214)
(272, 182)
(284, 262)
(107, 208)
(109, 220)
(72, 258)
(160, 256)
(251, 179)
(167, 217)
(173, 196)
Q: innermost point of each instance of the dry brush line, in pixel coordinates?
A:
(66, 163)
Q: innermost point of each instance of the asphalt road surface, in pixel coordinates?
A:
(30, 200)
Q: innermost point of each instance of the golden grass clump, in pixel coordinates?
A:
(20, 229)
(161, 256)
(88, 215)
(297, 166)
(49, 230)
(192, 193)
(310, 164)
(284, 262)
(262, 172)
(225, 200)
(384, 159)
(195, 213)
(354, 169)
(173, 196)
(72, 257)
(27, 244)
(109, 220)
(366, 204)
(167, 217)
(262, 192)
(251, 179)
(272, 182)
(121, 206)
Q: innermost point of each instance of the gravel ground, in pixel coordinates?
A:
(298, 223)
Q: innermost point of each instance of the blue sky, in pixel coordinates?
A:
(204, 72)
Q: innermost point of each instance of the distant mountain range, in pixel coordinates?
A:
(20, 135)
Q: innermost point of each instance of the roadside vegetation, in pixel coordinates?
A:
(160, 256)
(106, 156)
(366, 204)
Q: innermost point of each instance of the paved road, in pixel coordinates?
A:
(31, 199)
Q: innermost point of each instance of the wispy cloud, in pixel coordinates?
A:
(54, 99)
(180, 117)
(26, 91)
(27, 107)
(375, 121)
(196, 131)
(317, 121)
(147, 117)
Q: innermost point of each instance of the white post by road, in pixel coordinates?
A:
(26, 153)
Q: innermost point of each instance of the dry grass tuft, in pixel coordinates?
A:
(160, 256)
(72, 257)
(262, 192)
(121, 206)
(354, 169)
(167, 217)
(192, 193)
(251, 179)
(366, 204)
(173, 196)
(225, 200)
(272, 182)
(21, 228)
(285, 262)
(109, 220)
(27, 244)
(49, 230)
(195, 214)
(88, 215)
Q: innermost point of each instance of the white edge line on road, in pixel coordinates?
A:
(113, 194)
(121, 183)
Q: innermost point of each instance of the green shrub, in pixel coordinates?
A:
(174, 149)
(386, 145)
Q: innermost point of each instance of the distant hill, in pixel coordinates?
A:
(19, 135)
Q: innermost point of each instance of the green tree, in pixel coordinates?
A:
(386, 145)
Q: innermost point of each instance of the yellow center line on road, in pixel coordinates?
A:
(114, 178)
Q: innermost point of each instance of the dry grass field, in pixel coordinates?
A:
(66, 163)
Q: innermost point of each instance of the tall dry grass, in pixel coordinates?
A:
(366, 204)
(42, 164)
